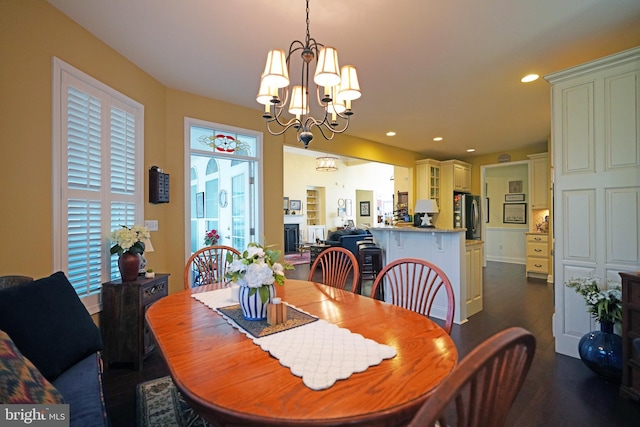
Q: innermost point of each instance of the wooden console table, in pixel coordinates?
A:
(126, 337)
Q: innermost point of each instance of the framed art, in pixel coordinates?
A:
(515, 186)
(295, 205)
(514, 213)
(514, 197)
(365, 208)
(200, 205)
(350, 223)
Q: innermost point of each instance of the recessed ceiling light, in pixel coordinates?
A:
(438, 138)
(391, 133)
(470, 150)
(529, 78)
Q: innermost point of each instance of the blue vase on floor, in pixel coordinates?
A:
(601, 351)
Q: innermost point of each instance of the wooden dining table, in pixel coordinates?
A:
(229, 380)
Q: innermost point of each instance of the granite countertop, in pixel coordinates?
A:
(419, 230)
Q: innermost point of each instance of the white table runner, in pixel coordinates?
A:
(319, 352)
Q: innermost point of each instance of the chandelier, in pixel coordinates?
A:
(326, 164)
(335, 89)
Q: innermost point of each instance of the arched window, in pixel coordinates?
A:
(212, 166)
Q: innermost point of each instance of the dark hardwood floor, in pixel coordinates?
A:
(559, 390)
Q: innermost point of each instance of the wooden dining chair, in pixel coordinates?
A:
(481, 389)
(337, 264)
(207, 265)
(413, 284)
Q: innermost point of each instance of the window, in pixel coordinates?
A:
(224, 164)
(97, 176)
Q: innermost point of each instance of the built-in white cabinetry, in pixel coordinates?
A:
(539, 181)
(537, 255)
(428, 180)
(595, 160)
(474, 260)
(313, 207)
(454, 176)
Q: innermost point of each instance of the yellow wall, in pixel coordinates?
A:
(31, 33)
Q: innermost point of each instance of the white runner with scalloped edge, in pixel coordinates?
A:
(319, 352)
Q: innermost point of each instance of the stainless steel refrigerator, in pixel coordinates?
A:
(467, 214)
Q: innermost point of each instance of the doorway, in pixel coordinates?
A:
(223, 165)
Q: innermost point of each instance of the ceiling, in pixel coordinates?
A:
(427, 68)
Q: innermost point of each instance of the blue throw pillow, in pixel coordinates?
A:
(49, 324)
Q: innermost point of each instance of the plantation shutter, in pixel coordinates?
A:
(99, 181)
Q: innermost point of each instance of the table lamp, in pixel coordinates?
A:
(148, 247)
(424, 207)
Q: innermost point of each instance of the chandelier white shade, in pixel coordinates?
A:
(326, 164)
(335, 88)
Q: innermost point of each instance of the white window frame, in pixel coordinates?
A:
(256, 187)
(65, 75)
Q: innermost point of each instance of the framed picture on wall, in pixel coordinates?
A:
(295, 205)
(365, 209)
(514, 197)
(514, 213)
(515, 186)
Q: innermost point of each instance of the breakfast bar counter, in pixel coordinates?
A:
(446, 248)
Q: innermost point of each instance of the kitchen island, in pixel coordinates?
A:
(460, 260)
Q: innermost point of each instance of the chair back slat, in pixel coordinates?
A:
(207, 265)
(415, 284)
(482, 388)
(337, 264)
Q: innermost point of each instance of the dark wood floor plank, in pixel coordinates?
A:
(559, 390)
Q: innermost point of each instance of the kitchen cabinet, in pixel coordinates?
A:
(537, 255)
(457, 175)
(539, 181)
(126, 336)
(474, 260)
(630, 386)
(428, 180)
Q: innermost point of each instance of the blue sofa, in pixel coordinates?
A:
(50, 350)
(348, 238)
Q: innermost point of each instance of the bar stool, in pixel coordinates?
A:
(370, 260)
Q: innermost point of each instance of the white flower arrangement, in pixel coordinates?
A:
(127, 239)
(605, 305)
(257, 268)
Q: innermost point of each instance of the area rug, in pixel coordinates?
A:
(298, 258)
(160, 404)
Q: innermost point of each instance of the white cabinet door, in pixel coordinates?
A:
(474, 260)
(596, 165)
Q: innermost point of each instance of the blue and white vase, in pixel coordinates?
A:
(252, 306)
